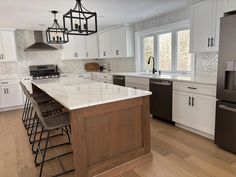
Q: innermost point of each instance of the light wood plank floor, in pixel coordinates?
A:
(176, 153)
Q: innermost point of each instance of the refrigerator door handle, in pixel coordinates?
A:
(227, 108)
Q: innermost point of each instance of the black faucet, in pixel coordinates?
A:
(153, 60)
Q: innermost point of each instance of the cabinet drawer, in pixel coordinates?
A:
(137, 80)
(137, 86)
(195, 88)
(9, 82)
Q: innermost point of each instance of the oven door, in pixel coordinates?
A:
(225, 131)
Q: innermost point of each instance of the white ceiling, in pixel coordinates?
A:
(34, 14)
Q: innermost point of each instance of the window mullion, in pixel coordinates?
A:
(174, 51)
(156, 52)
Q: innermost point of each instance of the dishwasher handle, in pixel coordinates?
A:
(227, 108)
(165, 83)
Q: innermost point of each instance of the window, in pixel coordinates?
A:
(170, 49)
(165, 51)
(148, 46)
(184, 61)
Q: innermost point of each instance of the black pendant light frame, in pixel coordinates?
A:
(78, 19)
(56, 34)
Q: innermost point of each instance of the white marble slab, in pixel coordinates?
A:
(76, 93)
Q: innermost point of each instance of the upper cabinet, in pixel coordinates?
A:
(205, 25)
(229, 5)
(91, 45)
(117, 43)
(80, 47)
(7, 46)
(104, 45)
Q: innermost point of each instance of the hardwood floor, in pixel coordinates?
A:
(176, 153)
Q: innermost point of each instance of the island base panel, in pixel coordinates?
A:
(108, 136)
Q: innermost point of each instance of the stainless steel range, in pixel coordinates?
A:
(44, 71)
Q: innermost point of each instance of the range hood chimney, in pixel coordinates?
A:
(39, 45)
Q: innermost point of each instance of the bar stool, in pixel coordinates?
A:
(47, 107)
(49, 124)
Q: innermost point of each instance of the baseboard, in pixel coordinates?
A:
(212, 137)
(11, 108)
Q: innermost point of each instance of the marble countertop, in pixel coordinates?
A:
(173, 77)
(76, 93)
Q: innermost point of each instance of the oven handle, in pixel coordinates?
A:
(227, 108)
(161, 83)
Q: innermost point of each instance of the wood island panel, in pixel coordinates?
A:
(111, 138)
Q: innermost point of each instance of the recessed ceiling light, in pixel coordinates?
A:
(42, 24)
(101, 16)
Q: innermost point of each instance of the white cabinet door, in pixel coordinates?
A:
(104, 45)
(7, 46)
(181, 108)
(203, 113)
(80, 48)
(75, 48)
(91, 47)
(3, 100)
(229, 5)
(69, 50)
(14, 96)
(118, 43)
(201, 26)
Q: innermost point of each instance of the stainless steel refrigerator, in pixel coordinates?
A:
(225, 130)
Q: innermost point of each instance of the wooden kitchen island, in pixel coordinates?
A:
(110, 124)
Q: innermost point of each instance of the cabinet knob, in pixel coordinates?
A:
(104, 53)
(117, 52)
(86, 54)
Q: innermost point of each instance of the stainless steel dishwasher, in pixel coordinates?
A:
(161, 98)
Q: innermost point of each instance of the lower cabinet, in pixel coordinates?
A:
(137, 82)
(195, 111)
(10, 96)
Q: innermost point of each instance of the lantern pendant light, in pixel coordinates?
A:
(56, 34)
(80, 21)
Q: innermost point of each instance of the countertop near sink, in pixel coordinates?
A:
(175, 77)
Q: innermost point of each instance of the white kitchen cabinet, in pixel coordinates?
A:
(102, 77)
(205, 25)
(194, 106)
(117, 43)
(195, 111)
(229, 5)
(80, 47)
(104, 45)
(69, 51)
(7, 46)
(122, 42)
(75, 48)
(137, 82)
(10, 94)
(91, 44)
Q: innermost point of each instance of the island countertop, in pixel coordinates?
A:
(76, 93)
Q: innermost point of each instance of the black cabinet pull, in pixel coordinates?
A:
(192, 101)
(189, 101)
(117, 52)
(209, 42)
(104, 53)
(192, 88)
(212, 42)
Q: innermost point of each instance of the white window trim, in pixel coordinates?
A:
(185, 24)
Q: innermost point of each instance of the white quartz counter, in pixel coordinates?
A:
(76, 93)
(173, 77)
